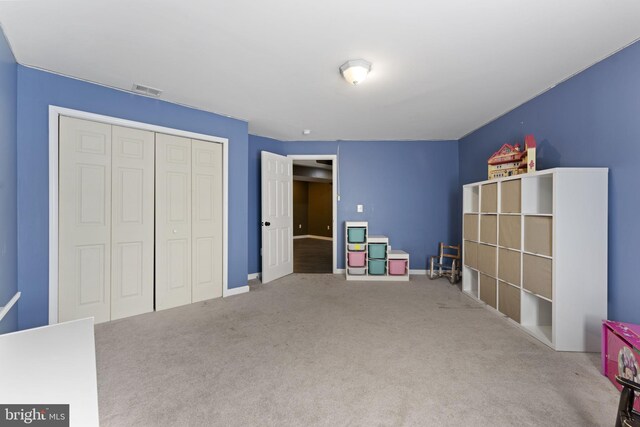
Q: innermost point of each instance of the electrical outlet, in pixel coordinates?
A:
(328, 227)
(299, 225)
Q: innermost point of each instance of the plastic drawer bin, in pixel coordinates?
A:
(378, 250)
(377, 267)
(397, 267)
(357, 247)
(357, 271)
(356, 259)
(356, 234)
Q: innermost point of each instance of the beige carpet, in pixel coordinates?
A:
(316, 350)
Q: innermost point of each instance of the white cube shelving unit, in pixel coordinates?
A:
(535, 249)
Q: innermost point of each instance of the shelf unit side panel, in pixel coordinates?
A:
(580, 259)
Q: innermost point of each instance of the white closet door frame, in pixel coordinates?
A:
(54, 115)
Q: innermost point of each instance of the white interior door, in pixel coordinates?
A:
(84, 245)
(132, 242)
(173, 221)
(277, 217)
(206, 220)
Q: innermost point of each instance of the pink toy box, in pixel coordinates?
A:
(356, 259)
(397, 267)
(621, 353)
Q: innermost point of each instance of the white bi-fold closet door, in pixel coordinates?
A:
(188, 221)
(130, 199)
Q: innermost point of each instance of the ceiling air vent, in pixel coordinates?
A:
(146, 90)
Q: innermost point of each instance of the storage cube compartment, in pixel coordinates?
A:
(356, 259)
(470, 256)
(536, 275)
(509, 300)
(357, 271)
(537, 317)
(489, 198)
(509, 231)
(537, 194)
(377, 267)
(510, 196)
(489, 229)
(378, 250)
(356, 234)
(488, 290)
(487, 259)
(471, 227)
(470, 281)
(538, 234)
(356, 247)
(397, 267)
(509, 266)
(471, 198)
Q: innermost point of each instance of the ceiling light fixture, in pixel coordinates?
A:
(355, 70)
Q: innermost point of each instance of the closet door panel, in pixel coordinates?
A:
(206, 222)
(84, 209)
(173, 221)
(132, 222)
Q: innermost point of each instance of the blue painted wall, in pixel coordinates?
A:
(592, 119)
(409, 190)
(37, 90)
(8, 180)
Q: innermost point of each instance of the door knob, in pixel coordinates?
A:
(267, 223)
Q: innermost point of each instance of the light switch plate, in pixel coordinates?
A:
(360, 208)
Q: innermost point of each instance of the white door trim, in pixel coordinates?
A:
(334, 186)
(54, 113)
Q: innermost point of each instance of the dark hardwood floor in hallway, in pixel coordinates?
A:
(312, 256)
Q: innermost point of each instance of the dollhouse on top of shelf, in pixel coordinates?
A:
(512, 160)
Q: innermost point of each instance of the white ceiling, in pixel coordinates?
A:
(441, 68)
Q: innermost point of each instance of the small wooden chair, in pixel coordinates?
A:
(446, 263)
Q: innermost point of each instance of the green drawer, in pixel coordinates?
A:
(378, 250)
(356, 234)
(377, 267)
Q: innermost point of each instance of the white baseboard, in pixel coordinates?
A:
(253, 276)
(236, 291)
(312, 236)
(340, 271)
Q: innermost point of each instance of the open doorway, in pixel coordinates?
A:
(314, 197)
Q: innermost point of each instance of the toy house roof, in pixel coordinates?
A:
(512, 153)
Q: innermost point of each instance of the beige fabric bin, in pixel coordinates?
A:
(509, 266)
(538, 232)
(509, 233)
(536, 275)
(510, 196)
(487, 259)
(489, 198)
(470, 254)
(471, 227)
(488, 290)
(489, 229)
(509, 300)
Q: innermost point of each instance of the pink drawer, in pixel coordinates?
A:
(621, 353)
(356, 259)
(397, 267)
